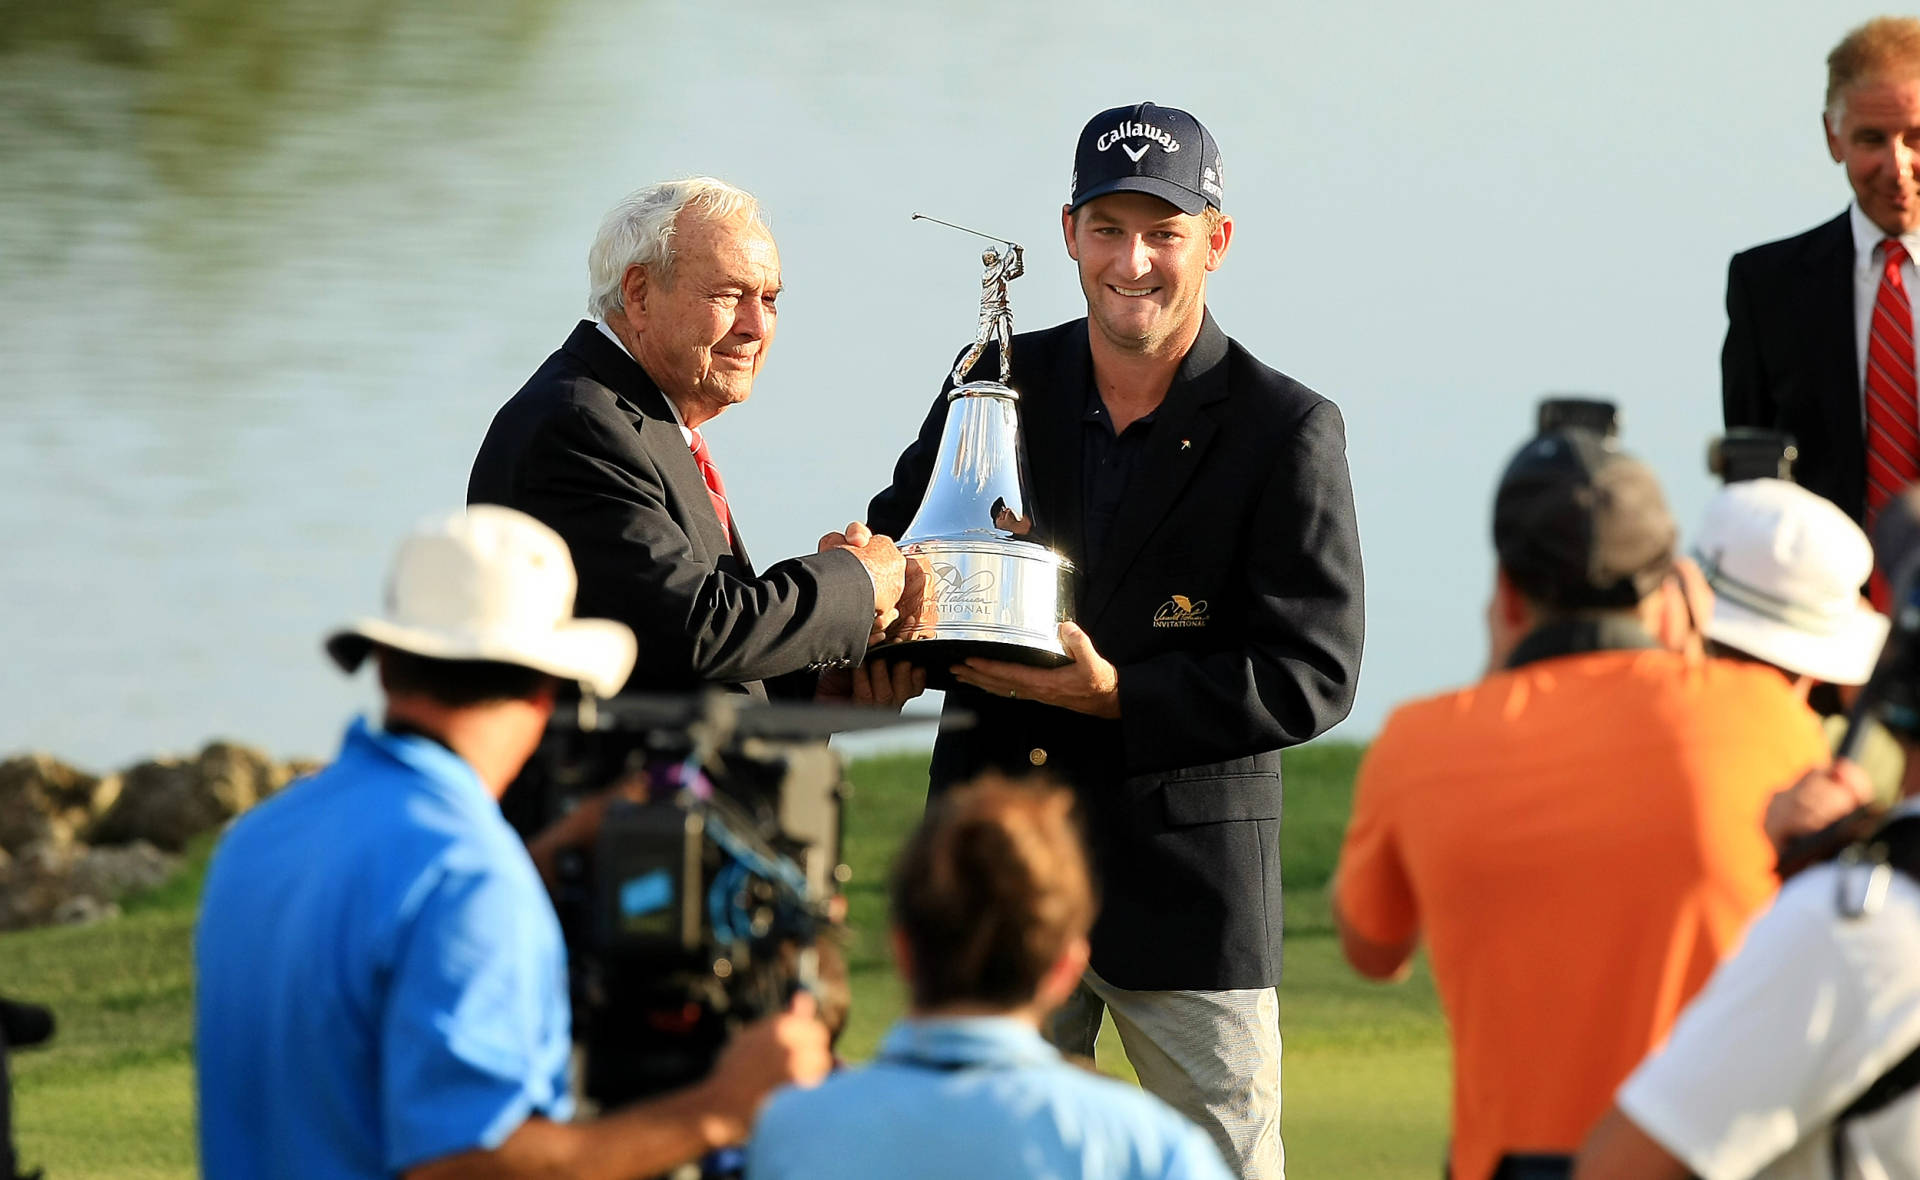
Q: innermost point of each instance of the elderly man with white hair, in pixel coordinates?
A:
(603, 444)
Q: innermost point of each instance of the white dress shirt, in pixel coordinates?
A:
(1867, 268)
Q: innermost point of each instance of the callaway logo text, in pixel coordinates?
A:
(1137, 130)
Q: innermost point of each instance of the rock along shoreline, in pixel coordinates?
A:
(72, 844)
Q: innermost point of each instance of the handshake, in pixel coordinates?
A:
(899, 585)
(899, 598)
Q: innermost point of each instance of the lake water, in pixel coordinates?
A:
(267, 268)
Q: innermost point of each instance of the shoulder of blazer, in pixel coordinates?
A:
(611, 389)
(1036, 353)
(1811, 247)
(1264, 393)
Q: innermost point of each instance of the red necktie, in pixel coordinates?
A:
(1893, 409)
(717, 490)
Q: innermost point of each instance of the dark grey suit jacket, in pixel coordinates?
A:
(590, 447)
(1790, 362)
(1242, 506)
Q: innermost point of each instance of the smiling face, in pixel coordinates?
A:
(1878, 140)
(1143, 267)
(703, 333)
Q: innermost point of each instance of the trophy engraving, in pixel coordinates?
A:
(994, 589)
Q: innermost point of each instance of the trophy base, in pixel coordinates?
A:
(989, 597)
(939, 655)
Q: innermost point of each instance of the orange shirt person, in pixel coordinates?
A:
(1577, 838)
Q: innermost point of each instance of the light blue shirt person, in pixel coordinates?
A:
(991, 903)
(967, 1097)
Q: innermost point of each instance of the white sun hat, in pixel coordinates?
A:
(1786, 567)
(491, 583)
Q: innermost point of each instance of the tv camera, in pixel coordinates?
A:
(699, 905)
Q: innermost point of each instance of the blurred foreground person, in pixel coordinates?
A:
(381, 987)
(1786, 566)
(1577, 838)
(1801, 1059)
(991, 907)
(21, 1025)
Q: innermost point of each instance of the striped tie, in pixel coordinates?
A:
(717, 491)
(1893, 431)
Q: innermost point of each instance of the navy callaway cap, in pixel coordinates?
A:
(1160, 151)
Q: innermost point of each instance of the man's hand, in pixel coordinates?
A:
(1088, 685)
(653, 1137)
(580, 827)
(790, 1047)
(885, 565)
(885, 684)
(916, 604)
(1820, 797)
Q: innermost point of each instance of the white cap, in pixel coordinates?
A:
(491, 583)
(1786, 567)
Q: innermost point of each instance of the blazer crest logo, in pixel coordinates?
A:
(1181, 611)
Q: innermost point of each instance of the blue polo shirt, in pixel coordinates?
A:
(380, 979)
(967, 1098)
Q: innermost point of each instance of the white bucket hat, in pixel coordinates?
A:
(1786, 567)
(491, 583)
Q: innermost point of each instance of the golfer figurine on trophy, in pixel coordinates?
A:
(993, 589)
(996, 317)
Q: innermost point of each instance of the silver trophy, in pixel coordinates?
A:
(993, 589)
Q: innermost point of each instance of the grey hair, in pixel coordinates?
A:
(639, 232)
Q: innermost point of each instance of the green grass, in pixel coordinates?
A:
(1365, 1067)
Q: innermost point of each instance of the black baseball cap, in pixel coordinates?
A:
(1147, 149)
(1580, 524)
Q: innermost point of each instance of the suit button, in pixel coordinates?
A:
(1037, 756)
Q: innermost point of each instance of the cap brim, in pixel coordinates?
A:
(599, 653)
(1845, 656)
(1190, 203)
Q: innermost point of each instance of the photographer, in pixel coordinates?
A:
(381, 985)
(991, 906)
(1576, 837)
(1785, 566)
(1798, 1061)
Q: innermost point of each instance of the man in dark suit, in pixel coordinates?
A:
(1803, 353)
(603, 445)
(1204, 501)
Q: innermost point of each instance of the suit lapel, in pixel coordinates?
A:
(686, 488)
(1828, 312)
(1182, 431)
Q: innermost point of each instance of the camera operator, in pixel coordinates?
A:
(1785, 566)
(1798, 1061)
(991, 907)
(381, 985)
(1576, 838)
